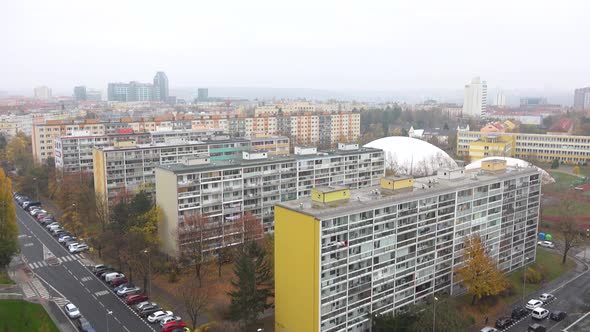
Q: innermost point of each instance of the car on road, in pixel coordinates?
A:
(128, 291)
(173, 326)
(540, 313)
(84, 325)
(536, 328)
(518, 313)
(546, 297)
(135, 298)
(169, 319)
(558, 315)
(156, 316)
(72, 311)
(546, 244)
(533, 304)
(504, 322)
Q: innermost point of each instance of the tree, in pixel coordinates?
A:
(555, 163)
(252, 286)
(222, 256)
(195, 300)
(8, 226)
(568, 226)
(190, 239)
(480, 274)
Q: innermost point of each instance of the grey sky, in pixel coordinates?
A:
(299, 43)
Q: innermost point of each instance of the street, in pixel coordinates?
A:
(63, 277)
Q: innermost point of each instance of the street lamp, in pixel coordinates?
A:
(434, 314)
(147, 252)
(109, 313)
(524, 277)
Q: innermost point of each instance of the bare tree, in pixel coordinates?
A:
(190, 238)
(195, 300)
(568, 226)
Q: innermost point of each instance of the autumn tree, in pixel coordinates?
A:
(8, 226)
(190, 237)
(195, 300)
(479, 273)
(252, 285)
(567, 225)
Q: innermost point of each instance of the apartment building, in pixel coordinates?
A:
(568, 149)
(163, 136)
(341, 255)
(338, 127)
(44, 135)
(302, 128)
(224, 191)
(11, 124)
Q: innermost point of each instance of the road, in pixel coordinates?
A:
(572, 296)
(68, 279)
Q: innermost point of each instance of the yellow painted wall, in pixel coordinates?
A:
(297, 275)
(396, 184)
(493, 165)
(327, 197)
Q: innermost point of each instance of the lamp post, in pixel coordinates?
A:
(147, 252)
(434, 314)
(76, 216)
(524, 278)
(109, 313)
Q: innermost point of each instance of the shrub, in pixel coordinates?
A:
(533, 276)
(555, 163)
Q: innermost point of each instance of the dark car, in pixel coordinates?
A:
(519, 313)
(118, 281)
(536, 328)
(558, 315)
(84, 325)
(504, 322)
(148, 311)
(98, 269)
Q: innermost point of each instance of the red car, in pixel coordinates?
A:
(41, 216)
(118, 281)
(173, 326)
(135, 298)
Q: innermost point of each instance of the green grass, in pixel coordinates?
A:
(578, 209)
(563, 182)
(18, 315)
(4, 279)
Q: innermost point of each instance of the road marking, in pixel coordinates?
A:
(101, 293)
(85, 279)
(27, 290)
(29, 244)
(126, 329)
(34, 265)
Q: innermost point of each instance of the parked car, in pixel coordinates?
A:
(37, 212)
(148, 311)
(135, 298)
(519, 312)
(144, 304)
(51, 224)
(79, 248)
(156, 316)
(536, 328)
(47, 220)
(97, 267)
(72, 311)
(504, 322)
(118, 281)
(128, 284)
(546, 297)
(57, 230)
(69, 242)
(173, 326)
(540, 313)
(128, 291)
(546, 244)
(533, 304)
(72, 246)
(169, 319)
(110, 276)
(84, 325)
(100, 268)
(558, 315)
(65, 237)
(27, 205)
(41, 215)
(488, 329)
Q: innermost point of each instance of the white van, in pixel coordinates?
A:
(110, 276)
(540, 313)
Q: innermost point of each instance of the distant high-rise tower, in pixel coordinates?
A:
(582, 99)
(42, 92)
(476, 98)
(80, 93)
(500, 99)
(161, 86)
(202, 94)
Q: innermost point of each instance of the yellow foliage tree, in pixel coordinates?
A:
(576, 170)
(8, 227)
(479, 273)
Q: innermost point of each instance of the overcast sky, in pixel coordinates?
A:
(382, 45)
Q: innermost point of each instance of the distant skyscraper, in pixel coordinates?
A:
(500, 99)
(582, 99)
(532, 101)
(118, 91)
(161, 86)
(132, 91)
(80, 93)
(42, 92)
(203, 94)
(93, 95)
(476, 98)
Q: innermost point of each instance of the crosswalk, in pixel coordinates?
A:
(60, 301)
(63, 259)
(28, 290)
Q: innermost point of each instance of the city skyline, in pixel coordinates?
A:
(364, 46)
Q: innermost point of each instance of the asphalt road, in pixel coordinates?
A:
(69, 278)
(572, 297)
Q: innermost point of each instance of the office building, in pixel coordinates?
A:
(582, 98)
(342, 255)
(93, 95)
(224, 191)
(161, 87)
(130, 92)
(500, 99)
(44, 135)
(80, 93)
(202, 94)
(42, 92)
(475, 100)
(532, 101)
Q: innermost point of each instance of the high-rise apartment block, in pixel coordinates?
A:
(42, 92)
(161, 87)
(476, 98)
(202, 94)
(44, 135)
(224, 191)
(500, 99)
(342, 255)
(582, 98)
(80, 93)
(136, 91)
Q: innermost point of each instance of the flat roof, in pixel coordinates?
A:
(174, 144)
(373, 197)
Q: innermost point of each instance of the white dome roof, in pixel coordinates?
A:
(406, 155)
(545, 177)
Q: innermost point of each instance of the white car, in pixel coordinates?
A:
(127, 291)
(546, 244)
(79, 248)
(72, 311)
(169, 319)
(158, 315)
(72, 246)
(540, 313)
(534, 304)
(546, 297)
(488, 329)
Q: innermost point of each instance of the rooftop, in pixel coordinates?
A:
(373, 197)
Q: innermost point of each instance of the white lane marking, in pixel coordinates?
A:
(85, 279)
(34, 265)
(101, 293)
(29, 244)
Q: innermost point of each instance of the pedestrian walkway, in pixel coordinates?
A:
(59, 260)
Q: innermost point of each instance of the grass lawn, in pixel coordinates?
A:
(563, 182)
(4, 279)
(18, 315)
(579, 209)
